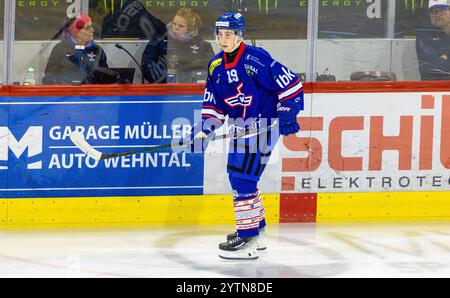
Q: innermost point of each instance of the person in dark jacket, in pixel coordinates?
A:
(129, 19)
(74, 59)
(187, 51)
(183, 53)
(433, 44)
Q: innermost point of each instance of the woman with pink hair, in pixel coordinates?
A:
(74, 59)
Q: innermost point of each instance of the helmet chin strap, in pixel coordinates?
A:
(237, 41)
(217, 41)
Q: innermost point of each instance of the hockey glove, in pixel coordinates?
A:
(287, 116)
(197, 141)
(201, 140)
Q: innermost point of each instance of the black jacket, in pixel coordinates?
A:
(189, 56)
(153, 62)
(132, 21)
(67, 65)
(433, 54)
(192, 55)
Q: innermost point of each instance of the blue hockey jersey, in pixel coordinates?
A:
(249, 87)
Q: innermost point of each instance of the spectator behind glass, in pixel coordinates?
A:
(433, 44)
(187, 51)
(129, 19)
(74, 58)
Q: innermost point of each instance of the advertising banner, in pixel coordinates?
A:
(390, 142)
(371, 142)
(37, 158)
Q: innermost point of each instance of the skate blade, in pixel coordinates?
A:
(240, 259)
(252, 255)
(262, 247)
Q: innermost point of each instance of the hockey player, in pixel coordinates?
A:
(246, 84)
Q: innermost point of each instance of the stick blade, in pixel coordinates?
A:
(78, 139)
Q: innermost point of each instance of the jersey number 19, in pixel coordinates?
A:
(232, 76)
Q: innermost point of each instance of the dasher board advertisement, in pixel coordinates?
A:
(370, 142)
(37, 158)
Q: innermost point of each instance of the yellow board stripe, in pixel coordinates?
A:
(214, 209)
(383, 206)
(3, 211)
(126, 211)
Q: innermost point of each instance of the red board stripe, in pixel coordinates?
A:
(295, 207)
(107, 90)
(375, 87)
(191, 89)
(4, 91)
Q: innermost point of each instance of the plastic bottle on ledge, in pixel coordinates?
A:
(30, 76)
(172, 69)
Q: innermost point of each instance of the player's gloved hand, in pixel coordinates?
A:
(201, 140)
(287, 117)
(197, 141)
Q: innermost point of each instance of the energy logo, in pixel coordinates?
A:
(112, 6)
(414, 4)
(265, 5)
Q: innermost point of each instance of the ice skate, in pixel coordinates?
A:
(239, 249)
(261, 239)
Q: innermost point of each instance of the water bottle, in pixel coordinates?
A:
(172, 68)
(30, 76)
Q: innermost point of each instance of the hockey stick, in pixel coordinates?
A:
(78, 139)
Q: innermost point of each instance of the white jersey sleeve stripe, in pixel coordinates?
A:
(290, 91)
(213, 113)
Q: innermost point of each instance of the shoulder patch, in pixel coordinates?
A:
(213, 65)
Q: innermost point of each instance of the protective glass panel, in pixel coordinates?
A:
(39, 29)
(352, 19)
(133, 40)
(423, 51)
(2, 13)
(352, 44)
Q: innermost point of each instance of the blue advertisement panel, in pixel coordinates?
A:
(4, 139)
(40, 160)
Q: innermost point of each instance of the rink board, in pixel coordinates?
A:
(389, 159)
(123, 211)
(397, 206)
(217, 209)
(37, 158)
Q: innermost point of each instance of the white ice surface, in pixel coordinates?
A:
(406, 249)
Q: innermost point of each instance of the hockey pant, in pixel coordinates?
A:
(247, 160)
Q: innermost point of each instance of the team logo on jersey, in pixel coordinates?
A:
(283, 80)
(213, 65)
(195, 49)
(250, 69)
(254, 59)
(91, 56)
(209, 97)
(239, 99)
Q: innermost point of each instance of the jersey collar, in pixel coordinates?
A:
(236, 60)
